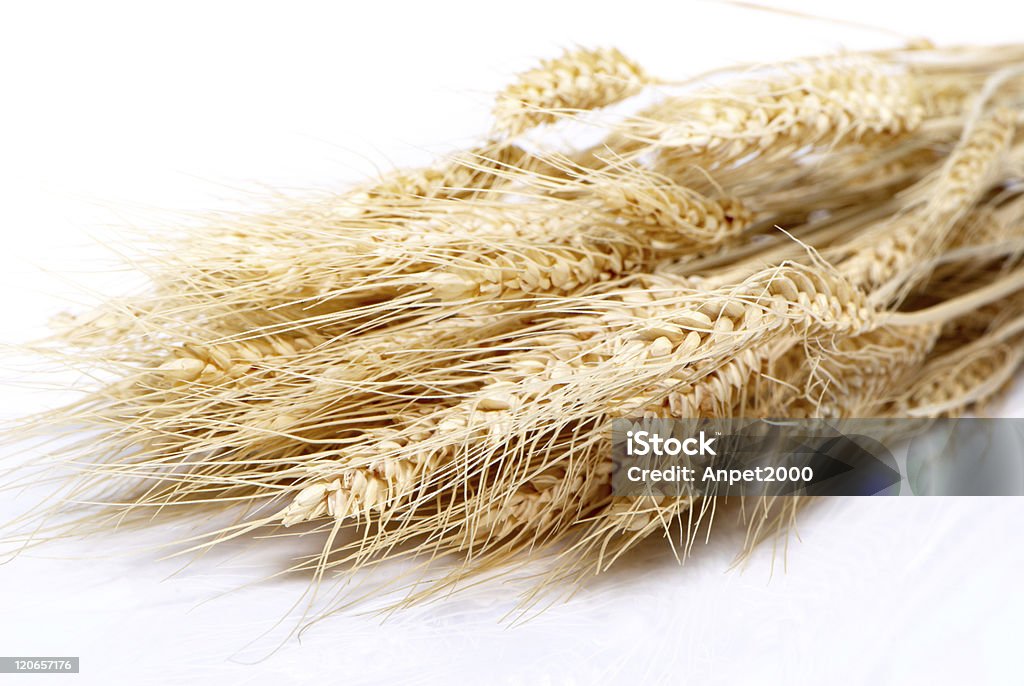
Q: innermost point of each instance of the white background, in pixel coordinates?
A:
(115, 114)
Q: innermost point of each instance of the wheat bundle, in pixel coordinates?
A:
(431, 361)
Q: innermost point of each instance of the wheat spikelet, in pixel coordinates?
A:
(831, 103)
(682, 215)
(544, 505)
(856, 177)
(964, 176)
(578, 80)
(958, 380)
(639, 351)
(213, 365)
(961, 375)
(846, 377)
(211, 413)
(375, 271)
(465, 175)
